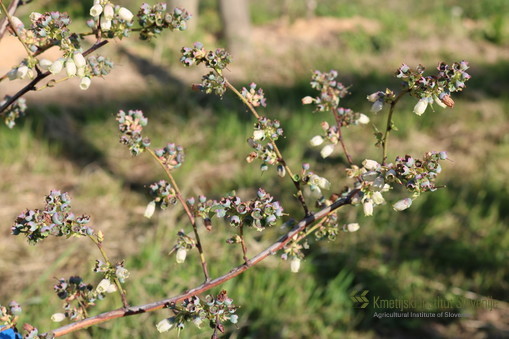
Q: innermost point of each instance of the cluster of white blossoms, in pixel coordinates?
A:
(106, 12)
(74, 66)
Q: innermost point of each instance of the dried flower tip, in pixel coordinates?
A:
(181, 255)
(150, 209)
(295, 265)
(352, 227)
(326, 151)
(58, 317)
(317, 140)
(402, 205)
(447, 100)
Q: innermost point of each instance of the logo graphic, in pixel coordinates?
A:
(360, 300)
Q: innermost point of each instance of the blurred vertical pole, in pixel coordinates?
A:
(191, 6)
(236, 25)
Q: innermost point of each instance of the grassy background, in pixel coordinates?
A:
(452, 241)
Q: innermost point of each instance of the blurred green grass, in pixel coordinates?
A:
(454, 238)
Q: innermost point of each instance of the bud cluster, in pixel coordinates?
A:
(214, 310)
(110, 274)
(171, 156)
(77, 296)
(415, 175)
(259, 213)
(212, 83)
(269, 130)
(50, 28)
(131, 125)
(113, 20)
(14, 111)
(331, 91)
(217, 60)
(153, 19)
(255, 97)
(56, 219)
(436, 88)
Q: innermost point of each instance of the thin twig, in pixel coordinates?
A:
(278, 245)
(188, 212)
(121, 291)
(5, 21)
(388, 127)
(281, 160)
(243, 244)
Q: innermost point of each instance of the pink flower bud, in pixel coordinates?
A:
(108, 12)
(402, 205)
(307, 100)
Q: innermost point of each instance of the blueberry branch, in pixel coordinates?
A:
(41, 76)
(278, 245)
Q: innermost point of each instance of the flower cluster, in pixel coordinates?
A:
(437, 88)
(214, 310)
(255, 97)
(315, 182)
(100, 65)
(379, 99)
(50, 29)
(115, 21)
(331, 133)
(269, 130)
(171, 156)
(14, 111)
(415, 175)
(331, 91)
(217, 60)
(77, 296)
(259, 213)
(111, 272)
(56, 219)
(131, 125)
(153, 19)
